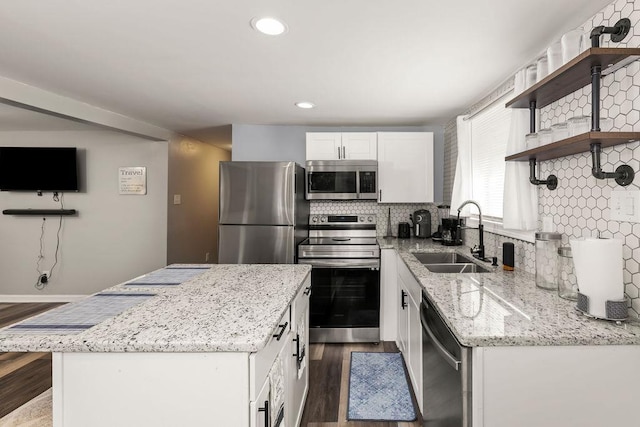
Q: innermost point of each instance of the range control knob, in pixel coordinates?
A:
(361, 219)
(369, 219)
(324, 219)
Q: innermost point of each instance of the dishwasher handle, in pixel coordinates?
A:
(450, 359)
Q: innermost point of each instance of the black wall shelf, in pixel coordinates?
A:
(40, 212)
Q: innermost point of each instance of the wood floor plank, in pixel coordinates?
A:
(23, 385)
(324, 396)
(19, 361)
(316, 351)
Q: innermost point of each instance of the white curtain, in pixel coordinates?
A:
(520, 202)
(462, 183)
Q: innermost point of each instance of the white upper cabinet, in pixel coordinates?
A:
(405, 167)
(359, 146)
(341, 146)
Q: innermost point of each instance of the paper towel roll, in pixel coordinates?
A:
(598, 265)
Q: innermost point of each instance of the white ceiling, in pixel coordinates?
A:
(193, 65)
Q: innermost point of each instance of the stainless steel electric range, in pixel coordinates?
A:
(345, 279)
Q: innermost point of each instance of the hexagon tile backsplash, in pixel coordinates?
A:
(579, 207)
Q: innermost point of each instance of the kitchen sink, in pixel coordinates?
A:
(462, 267)
(449, 262)
(442, 258)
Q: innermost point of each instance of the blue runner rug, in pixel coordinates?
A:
(378, 389)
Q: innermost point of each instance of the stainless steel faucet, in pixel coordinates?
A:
(477, 251)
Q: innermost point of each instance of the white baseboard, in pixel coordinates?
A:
(40, 298)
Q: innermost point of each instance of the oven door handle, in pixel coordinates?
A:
(372, 263)
(448, 357)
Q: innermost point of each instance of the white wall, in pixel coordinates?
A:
(113, 238)
(278, 142)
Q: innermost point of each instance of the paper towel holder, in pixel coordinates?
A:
(616, 311)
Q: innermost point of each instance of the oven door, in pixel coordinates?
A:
(345, 302)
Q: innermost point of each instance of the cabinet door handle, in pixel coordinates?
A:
(380, 195)
(403, 303)
(344, 156)
(307, 290)
(283, 328)
(266, 413)
(339, 156)
(299, 355)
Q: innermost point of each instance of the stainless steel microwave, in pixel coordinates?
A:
(341, 180)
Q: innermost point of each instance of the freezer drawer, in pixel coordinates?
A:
(256, 244)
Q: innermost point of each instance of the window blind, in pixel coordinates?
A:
(489, 135)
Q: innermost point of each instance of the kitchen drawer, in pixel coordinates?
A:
(260, 363)
(413, 286)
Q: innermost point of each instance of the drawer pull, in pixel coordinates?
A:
(403, 303)
(299, 355)
(266, 413)
(283, 328)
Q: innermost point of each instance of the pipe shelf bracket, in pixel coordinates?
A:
(623, 174)
(551, 182)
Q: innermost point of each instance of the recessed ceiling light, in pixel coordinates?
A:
(270, 26)
(305, 104)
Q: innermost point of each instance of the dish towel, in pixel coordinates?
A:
(276, 399)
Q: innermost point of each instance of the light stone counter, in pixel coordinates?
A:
(228, 308)
(502, 308)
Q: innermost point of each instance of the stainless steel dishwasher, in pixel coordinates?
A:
(446, 367)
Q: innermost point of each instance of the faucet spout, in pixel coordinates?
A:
(479, 252)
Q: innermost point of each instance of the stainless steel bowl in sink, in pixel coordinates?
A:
(467, 267)
(442, 258)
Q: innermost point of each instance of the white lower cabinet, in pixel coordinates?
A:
(192, 389)
(410, 326)
(388, 295)
(298, 375)
(569, 386)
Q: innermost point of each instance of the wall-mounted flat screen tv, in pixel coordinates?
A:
(38, 169)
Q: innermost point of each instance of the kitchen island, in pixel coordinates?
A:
(535, 360)
(223, 348)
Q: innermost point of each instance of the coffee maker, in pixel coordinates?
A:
(449, 234)
(421, 223)
(453, 231)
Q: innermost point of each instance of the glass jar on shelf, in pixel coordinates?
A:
(544, 137)
(559, 131)
(578, 125)
(531, 140)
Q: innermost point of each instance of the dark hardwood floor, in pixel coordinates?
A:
(326, 404)
(23, 376)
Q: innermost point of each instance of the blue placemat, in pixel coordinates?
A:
(189, 266)
(167, 277)
(79, 316)
(378, 389)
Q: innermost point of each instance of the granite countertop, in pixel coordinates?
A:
(503, 308)
(226, 308)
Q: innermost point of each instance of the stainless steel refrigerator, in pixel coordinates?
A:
(263, 212)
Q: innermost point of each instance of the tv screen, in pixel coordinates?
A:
(38, 169)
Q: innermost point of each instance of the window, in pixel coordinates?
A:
(489, 135)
